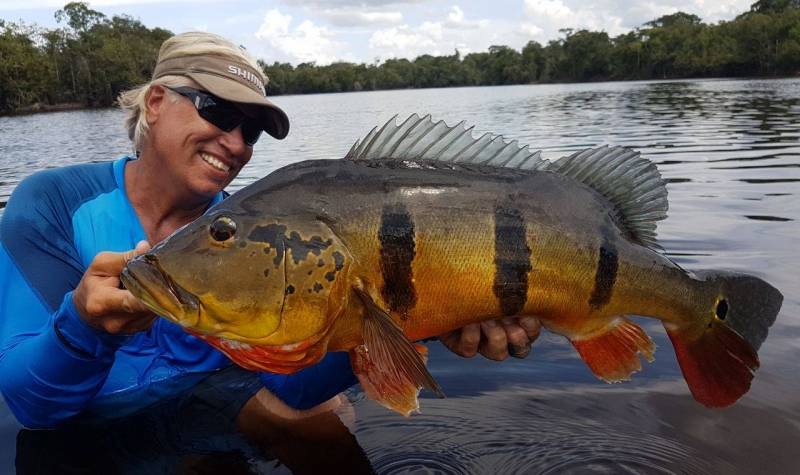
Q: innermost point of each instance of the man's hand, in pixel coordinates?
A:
(103, 304)
(494, 339)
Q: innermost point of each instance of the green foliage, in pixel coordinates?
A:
(90, 59)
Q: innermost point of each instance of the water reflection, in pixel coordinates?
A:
(196, 434)
(581, 429)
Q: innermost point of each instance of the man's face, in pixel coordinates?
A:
(194, 152)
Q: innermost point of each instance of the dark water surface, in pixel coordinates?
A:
(730, 151)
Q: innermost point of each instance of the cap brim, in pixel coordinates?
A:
(273, 120)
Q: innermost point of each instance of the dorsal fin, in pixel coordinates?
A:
(420, 138)
(630, 182)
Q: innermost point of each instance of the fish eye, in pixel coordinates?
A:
(722, 309)
(222, 229)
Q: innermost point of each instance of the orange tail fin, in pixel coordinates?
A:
(718, 364)
(613, 356)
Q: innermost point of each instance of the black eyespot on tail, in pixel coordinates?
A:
(722, 309)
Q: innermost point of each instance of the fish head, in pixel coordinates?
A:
(265, 291)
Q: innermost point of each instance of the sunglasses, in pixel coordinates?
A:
(223, 114)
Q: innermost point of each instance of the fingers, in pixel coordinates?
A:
(494, 343)
(519, 345)
(532, 327)
(464, 341)
(100, 301)
(142, 247)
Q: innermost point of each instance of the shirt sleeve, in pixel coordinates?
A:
(51, 362)
(313, 385)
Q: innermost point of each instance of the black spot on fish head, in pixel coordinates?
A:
(330, 276)
(266, 272)
(301, 248)
(338, 259)
(270, 234)
(273, 236)
(320, 263)
(317, 287)
(289, 289)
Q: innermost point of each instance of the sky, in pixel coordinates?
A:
(325, 31)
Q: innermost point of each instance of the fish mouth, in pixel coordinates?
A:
(144, 277)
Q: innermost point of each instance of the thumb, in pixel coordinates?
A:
(112, 263)
(141, 248)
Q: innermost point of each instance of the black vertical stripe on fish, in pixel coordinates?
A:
(512, 260)
(605, 277)
(396, 235)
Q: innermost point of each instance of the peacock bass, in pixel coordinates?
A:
(423, 228)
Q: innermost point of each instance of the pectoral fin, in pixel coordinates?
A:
(390, 368)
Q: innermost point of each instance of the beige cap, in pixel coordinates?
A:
(232, 80)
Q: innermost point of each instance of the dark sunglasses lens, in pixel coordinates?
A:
(222, 114)
(251, 131)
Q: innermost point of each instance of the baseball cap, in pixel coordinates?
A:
(232, 80)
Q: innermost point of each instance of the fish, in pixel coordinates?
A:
(423, 228)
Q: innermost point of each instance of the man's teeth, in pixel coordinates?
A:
(214, 162)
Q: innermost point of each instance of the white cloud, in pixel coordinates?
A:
(404, 41)
(453, 32)
(94, 4)
(305, 43)
(530, 29)
(350, 17)
(274, 25)
(349, 3)
(455, 19)
(548, 9)
(546, 17)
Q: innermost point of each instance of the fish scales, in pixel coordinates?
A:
(423, 229)
(453, 216)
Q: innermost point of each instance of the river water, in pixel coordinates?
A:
(730, 151)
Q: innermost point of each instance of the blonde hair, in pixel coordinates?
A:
(193, 43)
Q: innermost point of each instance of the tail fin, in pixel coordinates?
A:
(717, 352)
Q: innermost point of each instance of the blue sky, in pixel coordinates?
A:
(329, 30)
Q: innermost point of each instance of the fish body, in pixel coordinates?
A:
(419, 233)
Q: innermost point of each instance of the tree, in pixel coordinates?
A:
(79, 16)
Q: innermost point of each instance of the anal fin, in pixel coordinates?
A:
(390, 368)
(614, 355)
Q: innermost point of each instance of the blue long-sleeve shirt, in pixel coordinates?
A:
(52, 364)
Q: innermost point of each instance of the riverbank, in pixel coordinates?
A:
(71, 106)
(39, 108)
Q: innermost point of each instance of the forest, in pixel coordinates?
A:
(90, 58)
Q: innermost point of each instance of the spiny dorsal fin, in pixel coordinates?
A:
(420, 138)
(632, 184)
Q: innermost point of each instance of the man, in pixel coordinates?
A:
(72, 341)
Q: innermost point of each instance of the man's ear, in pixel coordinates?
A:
(154, 101)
